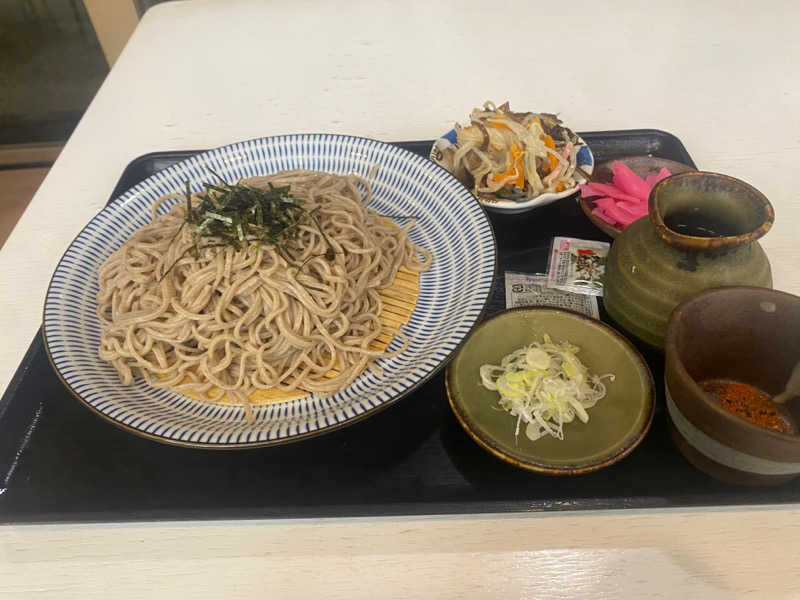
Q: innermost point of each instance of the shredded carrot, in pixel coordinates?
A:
(497, 124)
(515, 170)
(548, 141)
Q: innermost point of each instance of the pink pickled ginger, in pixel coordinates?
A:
(651, 180)
(624, 200)
(628, 181)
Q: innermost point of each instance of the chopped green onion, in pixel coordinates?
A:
(545, 386)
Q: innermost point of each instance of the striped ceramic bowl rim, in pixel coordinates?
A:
(453, 293)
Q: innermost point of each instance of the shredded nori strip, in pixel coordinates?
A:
(232, 214)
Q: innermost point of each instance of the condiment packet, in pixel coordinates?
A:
(524, 289)
(577, 265)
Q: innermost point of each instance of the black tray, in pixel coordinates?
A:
(59, 462)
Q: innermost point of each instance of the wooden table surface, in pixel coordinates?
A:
(720, 75)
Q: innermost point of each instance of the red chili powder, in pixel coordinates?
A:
(748, 403)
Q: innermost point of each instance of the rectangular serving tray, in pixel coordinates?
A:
(61, 463)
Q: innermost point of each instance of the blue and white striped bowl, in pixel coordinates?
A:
(453, 293)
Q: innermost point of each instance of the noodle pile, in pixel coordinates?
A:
(229, 322)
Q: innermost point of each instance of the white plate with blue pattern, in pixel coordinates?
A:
(453, 293)
(584, 159)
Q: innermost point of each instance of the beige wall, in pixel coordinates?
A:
(113, 21)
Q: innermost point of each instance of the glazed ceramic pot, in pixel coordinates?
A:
(701, 233)
(745, 334)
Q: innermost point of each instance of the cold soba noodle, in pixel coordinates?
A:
(302, 314)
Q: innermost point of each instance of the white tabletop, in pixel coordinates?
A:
(719, 75)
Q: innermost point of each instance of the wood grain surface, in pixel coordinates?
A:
(606, 555)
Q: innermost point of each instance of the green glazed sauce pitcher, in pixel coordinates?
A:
(701, 233)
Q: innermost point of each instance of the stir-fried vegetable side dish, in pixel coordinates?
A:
(514, 155)
(545, 385)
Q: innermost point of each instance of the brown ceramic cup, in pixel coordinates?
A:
(746, 334)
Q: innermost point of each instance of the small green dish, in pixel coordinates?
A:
(616, 424)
